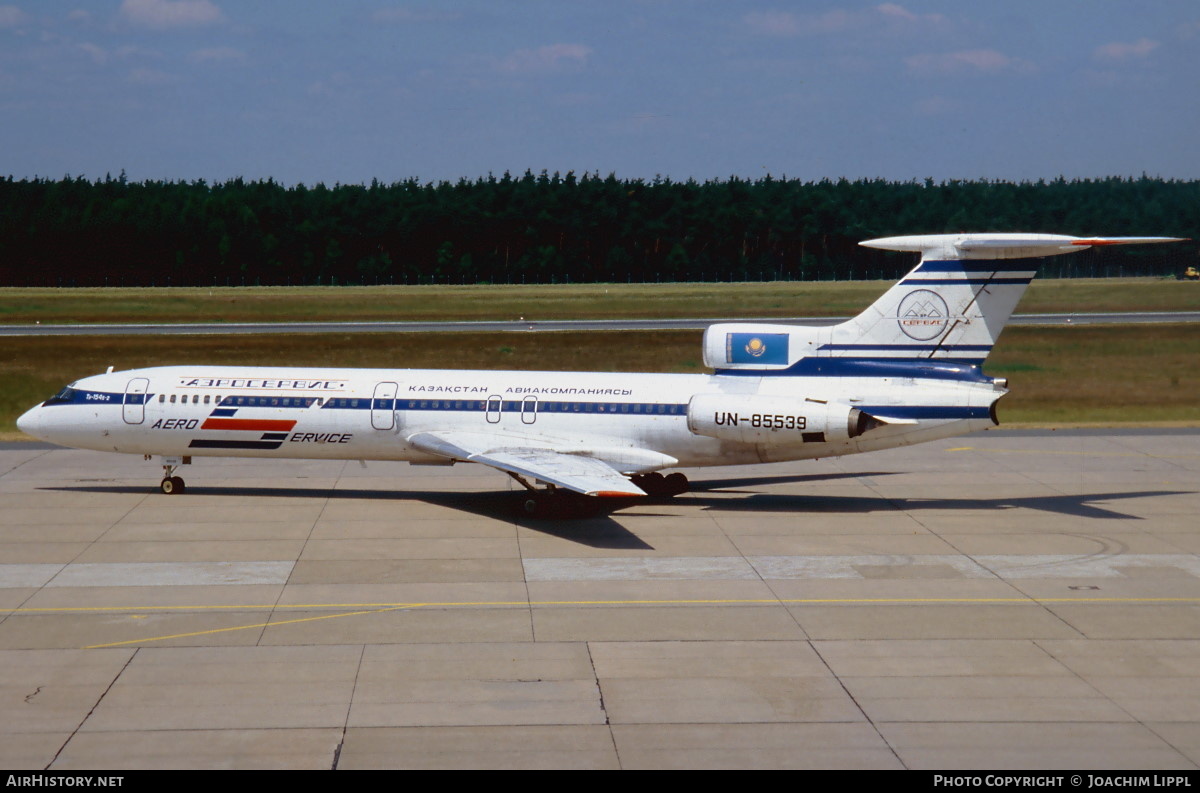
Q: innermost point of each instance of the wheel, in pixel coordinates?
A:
(179, 485)
(658, 486)
(558, 506)
(652, 483)
(543, 506)
(171, 486)
(675, 484)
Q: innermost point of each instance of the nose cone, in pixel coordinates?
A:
(30, 422)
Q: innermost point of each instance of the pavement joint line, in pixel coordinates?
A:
(373, 607)
(1075, 454)
(510, 604)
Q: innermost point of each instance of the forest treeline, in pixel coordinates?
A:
(551, 228)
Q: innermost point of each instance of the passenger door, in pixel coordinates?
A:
(383, 406)
(133, 408)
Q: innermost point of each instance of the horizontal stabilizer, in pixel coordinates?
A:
(1126, 240)
(957, 247)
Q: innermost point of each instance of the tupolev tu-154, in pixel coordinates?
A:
(906, 370)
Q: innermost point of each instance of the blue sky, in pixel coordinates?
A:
(347, 92)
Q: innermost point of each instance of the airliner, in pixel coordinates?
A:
(906, 370)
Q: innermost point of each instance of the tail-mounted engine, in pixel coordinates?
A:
(759, 347)
(773, 420)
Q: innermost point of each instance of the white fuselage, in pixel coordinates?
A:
(906, 369)
(368, 414)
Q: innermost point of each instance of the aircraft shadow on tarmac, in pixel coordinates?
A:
(591, 522)
(1082, 505)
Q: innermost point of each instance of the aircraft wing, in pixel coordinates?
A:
(586, 475)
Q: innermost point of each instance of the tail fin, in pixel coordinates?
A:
(951, 307)
(956, 301)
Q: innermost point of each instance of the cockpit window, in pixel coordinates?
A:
(67, 394)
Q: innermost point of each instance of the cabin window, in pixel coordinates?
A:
(172, 399)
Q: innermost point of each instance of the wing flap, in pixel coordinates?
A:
(580, 474)
(574, 472)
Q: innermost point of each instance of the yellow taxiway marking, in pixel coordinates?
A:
(240, 628)
(362, 609)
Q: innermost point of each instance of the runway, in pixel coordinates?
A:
(268, 328)
(1003, 600)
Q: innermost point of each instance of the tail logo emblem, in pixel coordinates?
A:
(923, 315)
(756, 347)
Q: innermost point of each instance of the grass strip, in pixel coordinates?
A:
(543, 302)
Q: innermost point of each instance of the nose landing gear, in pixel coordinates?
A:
(172, 485)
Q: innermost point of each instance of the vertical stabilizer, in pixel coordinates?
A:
(951, 308)
(955, 302)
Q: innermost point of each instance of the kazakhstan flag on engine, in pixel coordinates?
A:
(765, 348)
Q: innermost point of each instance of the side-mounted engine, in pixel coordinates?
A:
(775, 420)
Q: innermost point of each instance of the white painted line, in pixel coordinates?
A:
(173, 574)
(790, 567)
(639, 569)
(1066, 566)
(16, 576)
(1007, 567)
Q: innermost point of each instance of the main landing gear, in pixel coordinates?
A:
(556, 503)
(172, 485)
(656, 484)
